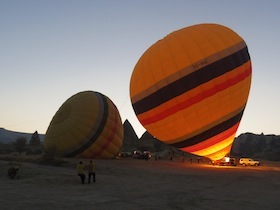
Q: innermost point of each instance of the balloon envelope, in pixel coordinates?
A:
(190, 89)
(87, 125)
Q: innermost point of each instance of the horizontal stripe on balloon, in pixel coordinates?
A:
(217, 147)
(210, 132)
(192, 80)
(193, 100)
(214, 140)
(151, 85)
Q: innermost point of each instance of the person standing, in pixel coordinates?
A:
(91, 172)
(80, 171)
(183, 156)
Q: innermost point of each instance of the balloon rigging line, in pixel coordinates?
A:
(124, 103)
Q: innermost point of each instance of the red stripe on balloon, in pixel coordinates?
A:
(193, 100)
(110, 138)
(213, 140)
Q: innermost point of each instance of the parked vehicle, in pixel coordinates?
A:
(226, 161)
(248, 162)
(141, 155)
(136, 154)
(146, 155)
(124, 154)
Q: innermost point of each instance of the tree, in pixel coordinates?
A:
(20, 144)
(35, 139)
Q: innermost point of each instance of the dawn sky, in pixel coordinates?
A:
(51, 50)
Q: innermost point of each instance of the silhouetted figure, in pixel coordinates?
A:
(171, 154)
(80, 171)
(183, 157)
(91, 172)
(12, 172)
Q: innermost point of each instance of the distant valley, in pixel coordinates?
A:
(258, 146)
(7, 136)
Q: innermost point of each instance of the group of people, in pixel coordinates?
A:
(81, 171)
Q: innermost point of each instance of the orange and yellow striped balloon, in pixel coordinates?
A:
(87, 125)
(190, 89)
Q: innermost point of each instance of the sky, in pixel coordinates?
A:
(51, 50)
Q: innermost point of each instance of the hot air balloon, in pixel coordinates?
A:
(190, 89)
(87, 125)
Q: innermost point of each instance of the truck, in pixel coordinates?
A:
(248, 162)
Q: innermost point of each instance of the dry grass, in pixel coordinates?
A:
(140, 184)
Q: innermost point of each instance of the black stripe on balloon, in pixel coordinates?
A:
(210, 133)
(191, 81)
(98, 131)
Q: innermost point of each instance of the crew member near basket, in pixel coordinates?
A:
(80, 171)
(91, 172)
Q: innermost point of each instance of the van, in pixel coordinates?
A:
(248, 162)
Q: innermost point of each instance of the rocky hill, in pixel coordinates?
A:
(131, 140)
(257, 146)
(145, 142)
(266, 147)
(7, 136)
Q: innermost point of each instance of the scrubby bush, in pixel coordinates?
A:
(20, 144)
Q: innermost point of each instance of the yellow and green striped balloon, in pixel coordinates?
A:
(87, 125)
(190, 89)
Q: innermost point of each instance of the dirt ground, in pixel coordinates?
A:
(141, 184)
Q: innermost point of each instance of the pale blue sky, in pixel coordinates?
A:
(53, 49)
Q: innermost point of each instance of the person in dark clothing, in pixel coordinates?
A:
(80, 171)
(91, 172)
